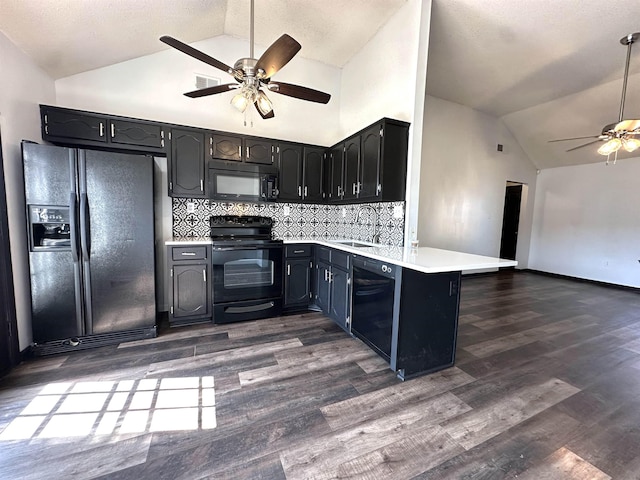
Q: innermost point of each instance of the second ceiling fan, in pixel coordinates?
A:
(253, 76)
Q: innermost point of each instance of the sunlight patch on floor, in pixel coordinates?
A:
(65, 410)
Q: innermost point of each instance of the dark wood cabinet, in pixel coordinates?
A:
(335, 163)
(373, 166)
(72, 125)
(238, 148)
(187, 163)
(290, 169)
(351, 168)
(226, 147)
(301, 171)
(128, 132)
(297, 276)
(333, 285)
(189, 273)
(64, 126)
(313, 175)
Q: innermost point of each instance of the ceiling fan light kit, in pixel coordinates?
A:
(253, 75)
(621, 134)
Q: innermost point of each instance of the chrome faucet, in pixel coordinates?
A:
(375, 238)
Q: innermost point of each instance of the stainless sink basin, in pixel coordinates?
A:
(352, 243)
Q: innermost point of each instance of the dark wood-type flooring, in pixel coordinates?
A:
(546, 385)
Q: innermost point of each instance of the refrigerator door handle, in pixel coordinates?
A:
(85, 232)
(73, 213)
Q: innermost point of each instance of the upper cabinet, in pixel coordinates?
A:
(86, 129)
(374, 164)
(301, 170)
(186, 159)
(239, 148)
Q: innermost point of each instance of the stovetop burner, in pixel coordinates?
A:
(229, 230)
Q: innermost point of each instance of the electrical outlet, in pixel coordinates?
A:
(286, 210)
(397, 211)
(344, 212)
(191, 207)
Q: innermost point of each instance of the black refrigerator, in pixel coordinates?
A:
(91, 247)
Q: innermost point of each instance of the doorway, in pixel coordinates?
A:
(9, 350)
(511, 220)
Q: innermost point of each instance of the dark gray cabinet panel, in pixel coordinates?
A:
(127, 132)
(370, 164)
(258, 151)
(72, 125)
(312, 174)
(187, 163)
(333, 285)
(290, 168)
(335, 188)
(322, 287)
(189, 274)
(297, 282)
(340, 308)
(351, 168)
(226, 147)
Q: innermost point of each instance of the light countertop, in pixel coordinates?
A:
(423, 259)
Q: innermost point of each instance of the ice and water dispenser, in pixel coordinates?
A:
(49, 227)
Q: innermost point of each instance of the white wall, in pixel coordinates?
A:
(463, 179)
(586, 222)
(152, 87)
(22, 87)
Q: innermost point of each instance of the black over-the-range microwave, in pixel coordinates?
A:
(242, 182)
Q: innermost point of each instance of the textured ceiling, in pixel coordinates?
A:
(66, 37)
(548, 68)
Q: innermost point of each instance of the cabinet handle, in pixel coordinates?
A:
(204, 275)
(330, 277)
(288, 270)
(248, 156)
(113, 130)
(188, 254)
(326, 275)
(299, 191)
(298, 251)
(101, 129)
(305, 191)
(201, 185)
(239, 151)
(354, 188)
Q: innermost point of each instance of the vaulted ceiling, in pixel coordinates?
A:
(548, 68)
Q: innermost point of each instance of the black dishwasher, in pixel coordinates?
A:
(373, 295)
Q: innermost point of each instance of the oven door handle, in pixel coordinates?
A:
(239, 247)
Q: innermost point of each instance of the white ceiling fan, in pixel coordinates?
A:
(624, 133)
(253, 76)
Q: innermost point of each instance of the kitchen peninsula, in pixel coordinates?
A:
(401, 302)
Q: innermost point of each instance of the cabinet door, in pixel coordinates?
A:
(323, 291)
(191, 291)
(340, 297)
(290, 171)
(351, 167)
(312, 174)
(336, 161)
(297, 282)
(187, 163)
(370, 163)
(73, 125)
(226, 147)
(258, 151)
(126, 132)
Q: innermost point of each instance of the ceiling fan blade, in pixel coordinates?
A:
(267, 116)
(297, 91)
(573, 138)
(277, 55)
(197, 54)
(203, 92)
(583, 145)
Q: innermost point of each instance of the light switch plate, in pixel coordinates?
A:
(397, 211)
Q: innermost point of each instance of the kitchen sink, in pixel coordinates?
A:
(352, 243)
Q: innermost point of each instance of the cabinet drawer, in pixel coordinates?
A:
(340, 259)
(292, 251)
(324, 254)
(189, 253)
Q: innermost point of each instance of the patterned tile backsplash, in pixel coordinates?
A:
(302, 221)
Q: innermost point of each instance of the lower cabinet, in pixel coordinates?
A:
(333, 285)
(297, 277)
(189, 273)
